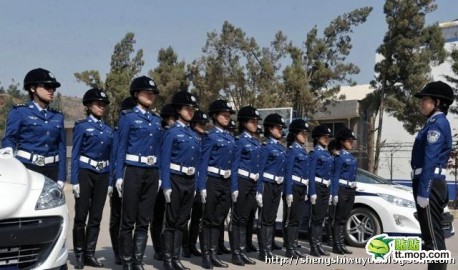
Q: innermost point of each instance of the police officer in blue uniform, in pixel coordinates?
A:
(321, 172)
(214, 180)
(270, 182)
(139, 141)
(36, 131)
(329, 219)
(245, 173)
(430, 153)
(191, 231)
(179, 155)
(115, 200)
(296, 189)
(343, 187)
(167, 121)
(90, 175)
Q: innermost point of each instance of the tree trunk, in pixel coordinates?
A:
(380, 125)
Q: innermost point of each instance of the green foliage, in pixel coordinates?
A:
(10, 96)
(170, 75)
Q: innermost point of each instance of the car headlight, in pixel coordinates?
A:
(51, 196)
(397, 201)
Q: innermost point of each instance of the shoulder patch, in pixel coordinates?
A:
(127, 111)
(55, 111)
(80, 121)
(433, 136)
(20, 105)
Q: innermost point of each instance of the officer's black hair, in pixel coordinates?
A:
(241, 128)
(29, 90)
(334, 144)
(291, 138)
(443, 106)
(267, 131)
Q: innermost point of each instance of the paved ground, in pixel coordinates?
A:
(105, 253)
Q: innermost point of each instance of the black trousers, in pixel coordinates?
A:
(115, 218)
(194, 223)
(157, 223)
(297, 210)
(271, 195)
(48, 171)
(179, 208)
(93, 192)
(246, 202)
(320, 209)
(431, 218)
(218, 201)
(344, 205)
(138, 198)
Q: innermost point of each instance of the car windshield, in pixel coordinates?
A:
(369, 178)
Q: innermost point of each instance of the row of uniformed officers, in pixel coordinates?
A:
(166, 170)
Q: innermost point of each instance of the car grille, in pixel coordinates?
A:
(26, 242)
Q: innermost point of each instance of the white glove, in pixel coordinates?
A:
(235, 194)
(118, 185)
(289, 200)
(110, 191)
(167, 193)
(330, 200)
(159, 185)
(259, 199)
(6, 151)
(422, 201)
(335, 200)
(76, 190)
(306, 198)
(313, 199)
(203, 195)
(61, 184)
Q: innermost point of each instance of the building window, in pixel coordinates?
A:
(335, 126)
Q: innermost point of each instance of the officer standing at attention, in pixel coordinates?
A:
(167, 121)
(191, 232)
(214, 183)
(137, 170)
(321, 166)
(296, 188)
(343, 187)
(270, 183)
(179, 155)
(245, 173)
(430, 153)
(36, 131)
(115, 200)
(90, 175)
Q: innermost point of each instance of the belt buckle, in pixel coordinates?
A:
(190, 171)
(305, 182)
(227, 173)
(352, 184)
(40, 160)
(150, 160)
(279, 179)
(255, 176)
(100, 165)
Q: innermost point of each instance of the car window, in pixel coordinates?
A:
(369, 178)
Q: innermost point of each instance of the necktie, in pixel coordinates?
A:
(43, 112)
(100, 123)
(147, 115)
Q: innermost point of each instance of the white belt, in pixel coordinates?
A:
(278, 179)
(150, 160)
(254, 176)
(37, 159)
(99, 165)
(321, 180)
(351, 184)
(185, 170)
(418, 171)
(300, 180)
(223, 173)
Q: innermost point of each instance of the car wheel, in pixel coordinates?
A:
(361, 226)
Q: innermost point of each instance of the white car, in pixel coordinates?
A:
(380, 206)
(34, 219)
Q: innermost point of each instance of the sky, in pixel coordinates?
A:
(68, 36)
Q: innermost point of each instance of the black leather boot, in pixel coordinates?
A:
(140, 239)
(296, 246)
(342, 240)
(249, 238)
(177, 242)
(92, 234)
(185, 250)
(336, 247)
(114, 243)
(167, 247)
(194, 251)
(79, 237)
(214, 237)
(288, 242)
(270, 241)
(262, 237)
(234, 236)
(329, 232)
(205, 247)
(312, 240)
(125, 250)
(222, 249)
(319, 232)
(243, 255)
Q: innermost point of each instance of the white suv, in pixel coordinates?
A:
(33, 219)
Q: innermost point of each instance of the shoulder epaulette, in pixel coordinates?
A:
(20, 105)
(127, 111)
(80, 121)
(155, 113)
(55, 111)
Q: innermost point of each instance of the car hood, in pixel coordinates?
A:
(394, 190)
(15, 185)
